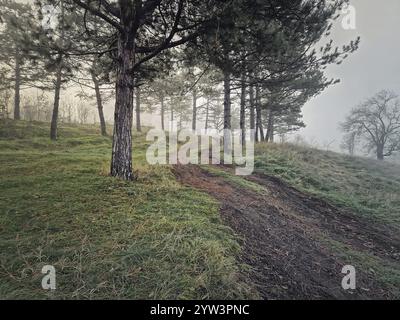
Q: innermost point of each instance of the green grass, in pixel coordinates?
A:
(153, 238)
(107, 238)
(387, 273)
(365, 186)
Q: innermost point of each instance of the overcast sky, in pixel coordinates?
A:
(375, 66)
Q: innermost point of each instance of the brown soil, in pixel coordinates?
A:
(283, 232)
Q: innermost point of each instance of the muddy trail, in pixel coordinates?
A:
(287, 238)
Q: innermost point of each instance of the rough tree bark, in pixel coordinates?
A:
(227, 113)
(138, 121)
(252, 111)
(243, 110)
(270, 127)
(259, 126)
(99, 104)
(121, 161)
(57, 90)
(17, 86)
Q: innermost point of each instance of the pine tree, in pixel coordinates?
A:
(142, 31)
(19, 64)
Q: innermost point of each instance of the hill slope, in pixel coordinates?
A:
(305, 214)
(285, 232)
(108, 239)
(368, 187)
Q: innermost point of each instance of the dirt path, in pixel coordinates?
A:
(283, 232)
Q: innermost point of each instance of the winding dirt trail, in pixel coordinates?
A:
(287, 238)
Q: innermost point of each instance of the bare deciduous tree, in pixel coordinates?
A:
(376, 122)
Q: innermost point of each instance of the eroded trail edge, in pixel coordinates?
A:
(290, 239)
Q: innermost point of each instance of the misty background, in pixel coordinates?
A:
(373, 67)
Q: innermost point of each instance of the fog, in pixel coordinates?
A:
(375, 66)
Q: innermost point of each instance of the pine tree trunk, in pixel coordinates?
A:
(138, 121)
(99, 104)
(270, 128)
(252, 111)
(259, 126)
(162, 114)
(194, 117)
(243, 110)
(121, 162)
(17, 87)
(227, 111)
(54, 118)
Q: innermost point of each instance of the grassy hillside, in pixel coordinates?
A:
(365, 193)
(365, 186)
(154, 238)
(107, 238)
